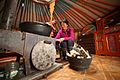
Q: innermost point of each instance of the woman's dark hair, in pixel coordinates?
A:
(64, 21)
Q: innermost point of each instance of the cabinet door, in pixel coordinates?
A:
(113, 43)
(98, 36)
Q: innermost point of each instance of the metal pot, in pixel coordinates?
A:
(79, 64)
(36, 28)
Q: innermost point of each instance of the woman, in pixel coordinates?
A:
(66, 38)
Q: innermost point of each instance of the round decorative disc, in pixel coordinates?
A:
(43, 55)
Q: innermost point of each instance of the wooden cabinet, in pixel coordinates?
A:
(107, 36)
(107, 43)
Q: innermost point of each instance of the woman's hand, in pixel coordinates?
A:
(60, 40)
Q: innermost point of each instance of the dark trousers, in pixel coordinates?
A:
(66, 45)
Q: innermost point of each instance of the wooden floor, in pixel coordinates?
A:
(101, 68)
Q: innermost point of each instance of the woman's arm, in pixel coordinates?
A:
(57, 38)
(58, 35)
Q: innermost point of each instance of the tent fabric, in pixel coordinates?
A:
(81, 14)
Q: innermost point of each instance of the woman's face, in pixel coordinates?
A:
(64, 26)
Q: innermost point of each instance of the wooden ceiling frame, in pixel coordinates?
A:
(70, 19)
(68, 12)
(46, 15)
(97, 9)
(74, 13)
(77, 15)
(83, 13)
(105, 8)
(105, 3)
(85, 7)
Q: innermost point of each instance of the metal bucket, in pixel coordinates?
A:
(79, 64)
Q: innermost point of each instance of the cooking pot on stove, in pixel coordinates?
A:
(36, 28)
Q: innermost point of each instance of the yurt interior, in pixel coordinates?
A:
(59, 39)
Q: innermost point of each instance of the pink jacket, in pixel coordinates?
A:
(68, 35)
